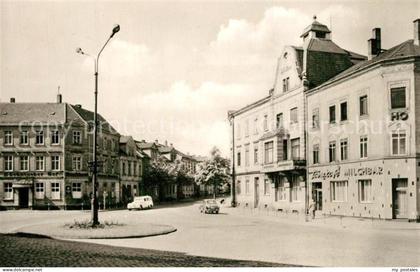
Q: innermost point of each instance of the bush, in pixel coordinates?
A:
(86, 224)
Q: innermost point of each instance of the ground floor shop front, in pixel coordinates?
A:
(283, 191)
(384, 189)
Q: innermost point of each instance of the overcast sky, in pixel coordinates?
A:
(175, 68)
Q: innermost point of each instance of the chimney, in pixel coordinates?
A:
(59, 98)
(12, 100)
(374, 44)
(417, 32)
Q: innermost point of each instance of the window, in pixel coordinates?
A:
(39, 190)
(247, 155)
(256, 126)
(8, 190)
(285, 150)
(23, 137)
(265, 123)
(255, 154)
(124, 172)
(8, 163)
(279, 120)
(39, 163)
(247, 186)
(315, 118)
(363, 147)
(239, 158)
(55, 163)
(55, 137)
(266, 186)
(246, 128)
(268, 148)
(8, 138)
(282, 190)
(24, 163)
(343, 111)
(77, 162)
(238, 187)
(55, 190)
(286, 84)
(399, 142)
(315, 154)
(339, 191)
(76, 190)
(39, 137)
(295, 149)
(398, 98)
(331, 152)
(332, 114)
(294, 190)
(294, 115)
(363, 105)
(344, 149)
(365, 190)
(77, 138)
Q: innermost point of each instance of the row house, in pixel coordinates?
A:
(269, 136)
(364, 136)
(44, 153)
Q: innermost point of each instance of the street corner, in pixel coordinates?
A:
(118, 231)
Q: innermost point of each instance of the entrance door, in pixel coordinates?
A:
(23, 197)
(317, 195)
(256, 192)
(399, 198)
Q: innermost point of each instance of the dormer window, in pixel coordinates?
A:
(320, 35)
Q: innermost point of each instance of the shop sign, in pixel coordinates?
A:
(348, 172)
(399, 115)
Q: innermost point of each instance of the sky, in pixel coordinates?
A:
(176, 67)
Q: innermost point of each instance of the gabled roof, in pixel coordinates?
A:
(315, 26)
(15, 113)
(145, 145)
(398, 52)
(88, 116)
(165, 149)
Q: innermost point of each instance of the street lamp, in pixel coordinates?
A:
(94, 165)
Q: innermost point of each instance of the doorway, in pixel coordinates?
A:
(399, 198)
(317, 195)
(23, 197)
(256, 192)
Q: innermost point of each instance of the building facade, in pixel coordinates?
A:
(268, 139)
(364, 136)
(44, 153)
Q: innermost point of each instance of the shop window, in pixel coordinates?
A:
(365, 190)
(398, 100)
(55, 190)
(398, 142)
(39, 190)
(268, 152)
(338, 191)
(8, 190)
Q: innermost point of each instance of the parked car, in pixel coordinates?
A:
(209, 206)
(140, 202)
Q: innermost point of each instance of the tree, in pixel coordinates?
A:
(214, 171)
(158, 174)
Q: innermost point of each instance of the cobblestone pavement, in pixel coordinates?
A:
(17, 251)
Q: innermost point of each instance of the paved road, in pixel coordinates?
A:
(43, 252)
(236, 235)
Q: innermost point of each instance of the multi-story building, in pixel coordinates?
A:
(268, 142)
(131, 168)
(364, 136)
(44, 153)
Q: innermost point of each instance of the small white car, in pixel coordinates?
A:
(140, 202)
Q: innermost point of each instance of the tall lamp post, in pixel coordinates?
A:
(94, 164)
(231, 117)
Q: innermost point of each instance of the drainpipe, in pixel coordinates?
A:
(233, 187)
(305, 111)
